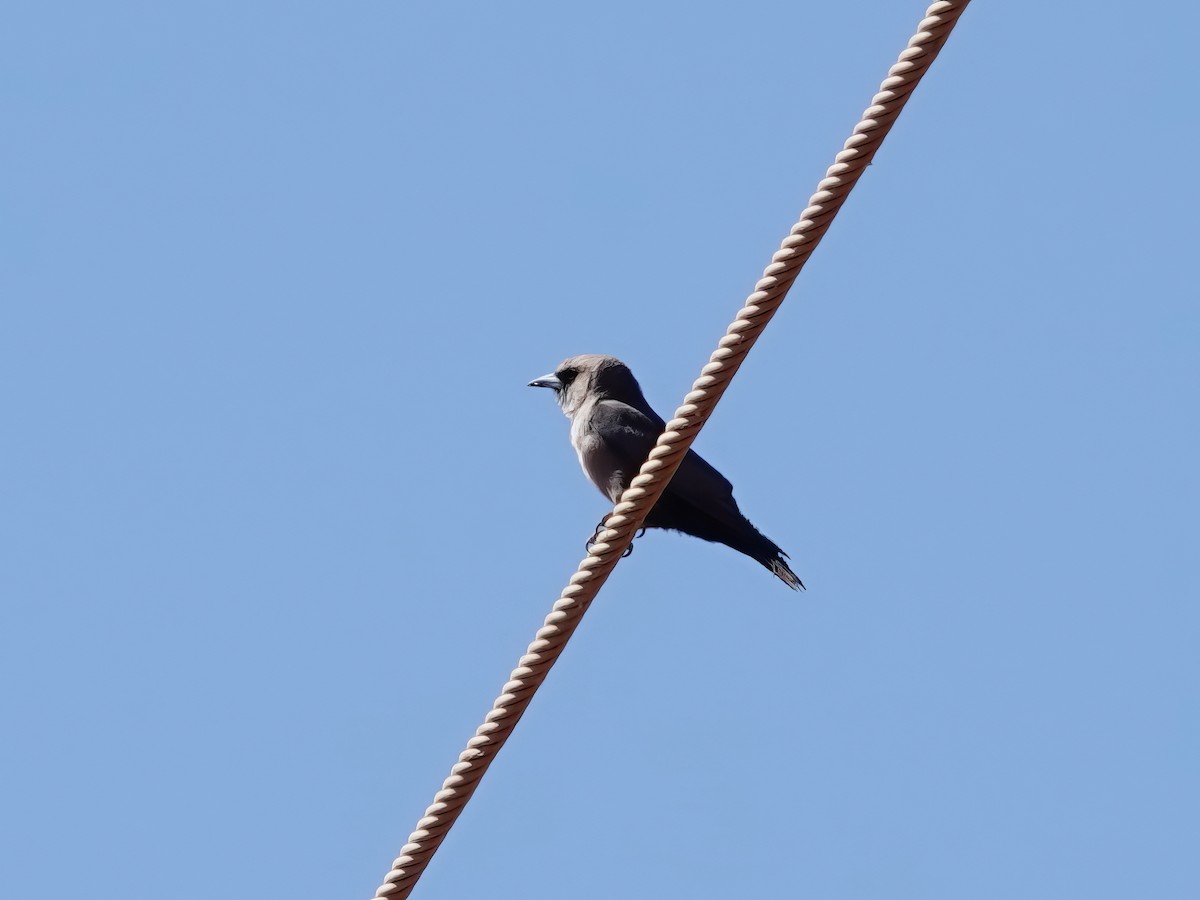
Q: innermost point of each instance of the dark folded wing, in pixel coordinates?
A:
(629, 435)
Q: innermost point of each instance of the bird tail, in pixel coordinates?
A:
(781, 570)
(730, 528)
(767, 553)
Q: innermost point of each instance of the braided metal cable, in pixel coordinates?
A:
(664, 459)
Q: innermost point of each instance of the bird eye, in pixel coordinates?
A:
(566, 376)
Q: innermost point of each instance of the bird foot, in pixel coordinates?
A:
(595, 534)
(600, 527)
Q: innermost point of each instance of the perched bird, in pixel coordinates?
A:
(613, 429)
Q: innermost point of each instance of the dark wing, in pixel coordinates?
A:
(700, 484)
(629, 434)
(626, 437)
(699, 499)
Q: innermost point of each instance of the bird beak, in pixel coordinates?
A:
(546, 381)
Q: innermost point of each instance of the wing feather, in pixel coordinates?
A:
(629, 435)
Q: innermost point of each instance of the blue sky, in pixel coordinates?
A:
(279, 513)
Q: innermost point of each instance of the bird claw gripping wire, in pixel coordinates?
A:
(636, 535)
(595, 534)
(600, 527)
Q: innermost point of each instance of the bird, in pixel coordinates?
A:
(613, 430)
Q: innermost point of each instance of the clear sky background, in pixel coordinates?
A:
(279, 513)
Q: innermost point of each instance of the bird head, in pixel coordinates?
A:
(590, 376)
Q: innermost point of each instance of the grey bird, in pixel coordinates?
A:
(613, 430)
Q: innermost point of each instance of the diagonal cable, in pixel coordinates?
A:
(664, 459)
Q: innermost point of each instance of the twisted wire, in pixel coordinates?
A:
(664, 459)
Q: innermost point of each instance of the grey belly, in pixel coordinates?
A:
(601, 466)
